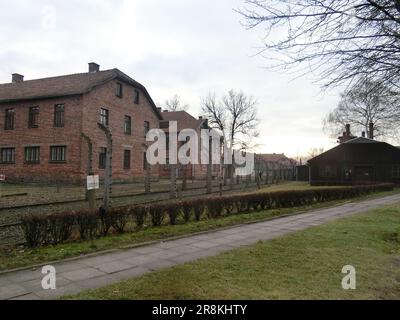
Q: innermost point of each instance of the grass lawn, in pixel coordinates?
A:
(304, 265)
(21, 257)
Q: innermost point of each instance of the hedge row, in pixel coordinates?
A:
(58, 228)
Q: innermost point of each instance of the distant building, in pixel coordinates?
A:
(357, 161)
(42, 122)
(277, 166)
(185, 121)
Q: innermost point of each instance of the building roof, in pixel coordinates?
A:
(67, 85)
(361, 140)
(274, 158)
(184, 120)
(355, 141)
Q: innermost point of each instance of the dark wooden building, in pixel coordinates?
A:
(356, 161)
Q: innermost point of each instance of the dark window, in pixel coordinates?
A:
(32, 154)
(127, 159)
(7, 155)
(128, 125)
(58, 153)
(145, 161)
(164, 124)
(59, 115)
(137, 96)
(396, 172)
(102, 158)
(328, 172)
(167, 141)
(119, 90)
(104, 117)
(33, 121)
(146, 128)
(9, 119)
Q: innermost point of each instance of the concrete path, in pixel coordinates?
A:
(101, 270)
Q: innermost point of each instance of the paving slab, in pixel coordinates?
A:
(82, 274)
(108, 268)
(114, 266)
(12, 291)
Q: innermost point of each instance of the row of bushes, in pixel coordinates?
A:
(59, 228)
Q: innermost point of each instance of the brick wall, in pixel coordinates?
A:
(104, 97)
(82, 113)
(45, 136)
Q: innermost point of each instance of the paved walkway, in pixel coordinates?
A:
(101, 270)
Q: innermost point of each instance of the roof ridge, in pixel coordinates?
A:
(62, 76)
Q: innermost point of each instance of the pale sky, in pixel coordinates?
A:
(184, 47)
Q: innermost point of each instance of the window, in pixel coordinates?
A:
(119, 90)
(7, 155)
(144, 161)
(58, 154)
(59, 115)
(127, 159)
(396, 172)
(102, 158)
(137, 96)
(33, 121)
(32, 154)
(9, 119)
(104, 117)
(128, 125)
(328, 172)
(146, 128)
(164, 124)
(167, 140)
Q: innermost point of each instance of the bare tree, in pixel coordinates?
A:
(175, 104)
(338, 39)
(235, 117)
(364, 103)
(314, 152)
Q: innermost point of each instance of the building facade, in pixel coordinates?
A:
(357, 161)
(185, 121)
(274, 167)
(42, 122)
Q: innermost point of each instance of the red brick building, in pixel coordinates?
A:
(42, 121)
(185, 121)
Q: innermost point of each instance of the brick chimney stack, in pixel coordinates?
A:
(17, 78)
(94, 67)
(348, 133)
(371, 131)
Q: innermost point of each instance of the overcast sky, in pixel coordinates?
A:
(185, 47)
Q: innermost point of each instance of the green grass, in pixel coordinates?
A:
(304, 265)
(11, 258)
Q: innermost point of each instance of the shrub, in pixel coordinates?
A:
(215, 207)
(198, 208)
(139, 213)
(87, 223)
(119, 218)
(105, 219)
(187, 209)
(173, 210)
(34, 228)
(157, 214)
(59, 228)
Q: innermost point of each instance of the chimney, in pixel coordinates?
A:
(371, 131)
(348, 134)
(363, 134)
(94, 67)
(17, 78)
